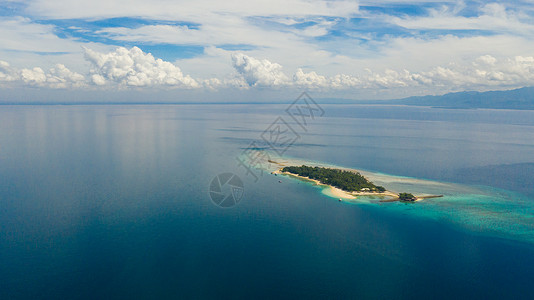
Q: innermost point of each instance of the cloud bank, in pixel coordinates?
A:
(383, 48)
(57, 77)
(133, 68)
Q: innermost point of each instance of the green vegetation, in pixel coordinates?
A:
(406, 197)
(345, 180)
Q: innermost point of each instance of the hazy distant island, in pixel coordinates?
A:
(519, 99)
(347, 184)
(522, 98)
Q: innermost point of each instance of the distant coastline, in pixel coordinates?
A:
(518, 99)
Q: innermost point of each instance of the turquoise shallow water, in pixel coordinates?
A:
(482, 209)
(112, 202)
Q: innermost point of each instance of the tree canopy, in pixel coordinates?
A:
(345, 180)
(406, 197)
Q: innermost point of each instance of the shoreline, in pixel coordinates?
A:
(342, 194)
(339, 192)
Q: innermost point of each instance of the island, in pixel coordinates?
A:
(345, 180)
(347, 184)
(407, 197)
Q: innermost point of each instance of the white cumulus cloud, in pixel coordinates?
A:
(310, 79)
(133, 67)
(57, 77)
(34, 76)
(6, 72)
(258, 72)
(483, 72)
(61, 77)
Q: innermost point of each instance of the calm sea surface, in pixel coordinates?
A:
(100, 202)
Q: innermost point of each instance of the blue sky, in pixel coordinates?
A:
(349, 49)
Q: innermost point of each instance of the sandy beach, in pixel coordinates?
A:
(334, 191)
(388, 196)
(339, 193)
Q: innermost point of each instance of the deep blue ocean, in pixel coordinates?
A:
(112, 201)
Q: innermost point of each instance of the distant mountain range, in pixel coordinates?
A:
(522, 98)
